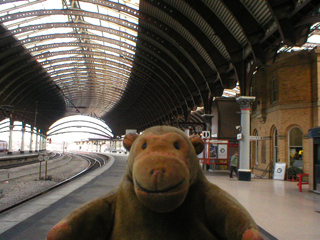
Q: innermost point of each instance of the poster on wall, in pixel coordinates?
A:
(222, 151)
(279, 171)
(213, 151)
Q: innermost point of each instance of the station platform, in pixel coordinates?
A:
(4, 155)
(280, 210)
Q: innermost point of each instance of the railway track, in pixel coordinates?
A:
(95, 160)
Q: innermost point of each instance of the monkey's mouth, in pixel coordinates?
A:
(165, 190)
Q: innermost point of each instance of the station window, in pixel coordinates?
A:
(274, 91)
(295, 147)
(255, 149)
(275, 149)
(255, 103)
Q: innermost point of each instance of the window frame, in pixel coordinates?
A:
(299, 147)
(274, 90)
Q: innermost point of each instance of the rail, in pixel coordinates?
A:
(92, 164)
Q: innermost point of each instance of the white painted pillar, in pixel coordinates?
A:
(10, 138)
(40, 142)
(37, 146)
(44, 143)
(31, 136)
(23, 131)
(244, 171)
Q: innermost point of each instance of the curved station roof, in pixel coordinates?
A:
(134, 64)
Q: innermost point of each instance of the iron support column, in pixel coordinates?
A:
(44, 143)
(244, 172)
(36, 146)
(31, 135)
(23, 131)
(40, 142)
(10, 138)
(208, 120)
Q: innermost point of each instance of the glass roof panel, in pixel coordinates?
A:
(63, 49)
(79, 41)
(93, 21)
(33, 33)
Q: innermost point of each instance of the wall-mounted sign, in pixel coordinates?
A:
(205, 134)
(218, 141)
(131, 131)
(239, 136)
(198, 129)
(255, 138)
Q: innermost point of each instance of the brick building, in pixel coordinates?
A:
(287, 105)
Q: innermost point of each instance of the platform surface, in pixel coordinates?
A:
(278, 207)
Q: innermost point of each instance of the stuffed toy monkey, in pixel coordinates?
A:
(164, 195)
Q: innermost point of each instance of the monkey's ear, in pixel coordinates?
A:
(129, 139)
(197, 143)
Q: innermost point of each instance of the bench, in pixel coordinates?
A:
(300, 183)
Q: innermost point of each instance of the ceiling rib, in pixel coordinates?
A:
(134, 67)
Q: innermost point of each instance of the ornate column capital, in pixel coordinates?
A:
(245, 101)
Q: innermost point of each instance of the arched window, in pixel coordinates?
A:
(255, 149)
(275, 145)
(274, 90)
(295, 147)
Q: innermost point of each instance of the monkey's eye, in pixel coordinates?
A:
(144, 145)
(176, 145)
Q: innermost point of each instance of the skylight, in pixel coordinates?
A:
(88, 37)
(313, 41)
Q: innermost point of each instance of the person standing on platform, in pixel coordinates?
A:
(234, 163)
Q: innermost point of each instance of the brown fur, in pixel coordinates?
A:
(164, 195)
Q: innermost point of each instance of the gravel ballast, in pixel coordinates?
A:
(17, 189)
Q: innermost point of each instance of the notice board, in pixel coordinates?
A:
(279, 171)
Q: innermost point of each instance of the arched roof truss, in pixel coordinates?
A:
(138, 65)
(85, 47)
